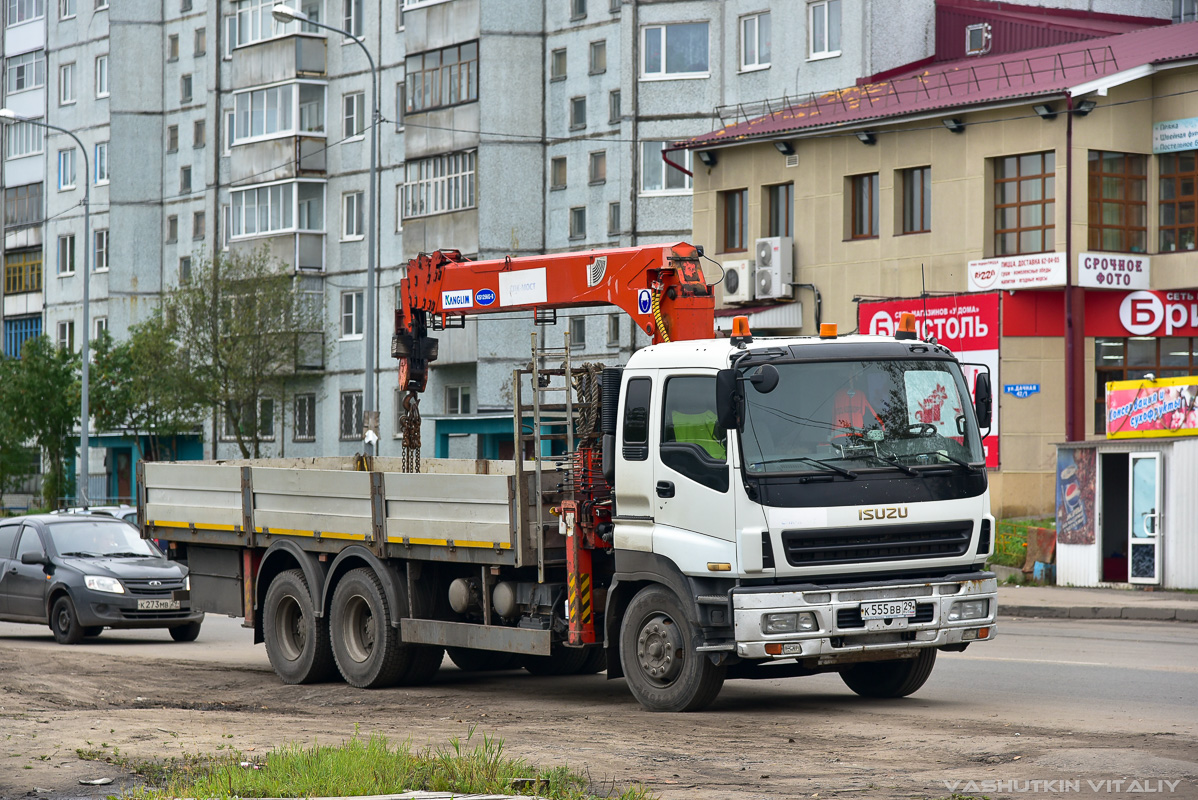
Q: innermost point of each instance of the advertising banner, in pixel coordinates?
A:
(1116, 315)
(1145, 409)
(1112, 271)
(1017, 272)
(1174, 135)
(1075, 495)
(966, 324)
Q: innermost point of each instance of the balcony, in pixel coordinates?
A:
(279, 159)
(301, 249)
(285, 58)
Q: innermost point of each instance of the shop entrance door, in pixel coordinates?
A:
(1144, 535)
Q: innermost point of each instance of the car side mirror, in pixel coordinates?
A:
(765, 379)
(34, 558)
(727, 400)
(983, 399)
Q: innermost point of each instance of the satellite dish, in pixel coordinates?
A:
(765, 253)
(731, 281)
(764, 283)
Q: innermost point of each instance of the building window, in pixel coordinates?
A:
(917, 200)
(351, 16)
(557, 172)
(351, 215)
(734, 206)
(230, 36)
(185, 270)
(578, 222)
(613, 330)
(864, 203)
(66, 9)
(172, 138)
(66, 84)
(99, 327)
(1129, 359)
(439, 184)
(100, 159)
(597, 170)
(254, 22)
(263, 421)
(1118, 208)
(230, 131)
(578, 113)
(613, 218)
(1179, 201)
(268, 112)
(674, 50)
(305, 418)
(226, 225)
(198, 225)
(199, 132)
(184, 180)
(23, 205)
(24, 139)
(755, 41)
(823, 22)
(25, 10)
(781, 209)
(66, 255)
(66, 335)
(1024, 211)
(22, 273)
(172, 229)
(598, 58)
(185, 89)
(273, 208)
(101, 76)
(578, 333)
(658, 177)
(613, 106)
(557, 65)
(17, 331)
(184, 6)
(201, 42)
(66, 169)
(353, 114)
(351, 416)
(26, 71)
(457, 399)
(578, 9)
(351, 315)
(172, 47)
(445, 77)
(100, 251)
(1185, 11)
(401, 103)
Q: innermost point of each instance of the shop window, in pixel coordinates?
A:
(1024, 207)
(1179, 202)
(1133, 358)
(1118, 202)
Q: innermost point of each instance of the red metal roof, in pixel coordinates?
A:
(968, 82)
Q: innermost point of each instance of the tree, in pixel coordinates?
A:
(44, 393)
(244, 326)
(14, 455)
(143, 385)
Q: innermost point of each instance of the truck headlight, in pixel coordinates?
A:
(99, 583)
(969, 609)
(187, 584)
(792, 622)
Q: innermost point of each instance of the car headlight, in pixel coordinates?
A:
(788, 623)
(187, 583)
(969, 609)
(99, 583)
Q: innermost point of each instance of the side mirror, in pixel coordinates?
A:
(34, 558)
(765, 380)
(727, 400)
(983, 399)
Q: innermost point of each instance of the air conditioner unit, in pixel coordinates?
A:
(775, 267)
(738, 281)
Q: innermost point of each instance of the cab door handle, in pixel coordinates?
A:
(665, 488)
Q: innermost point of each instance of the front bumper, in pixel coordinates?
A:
(841, 634)
(121, 610)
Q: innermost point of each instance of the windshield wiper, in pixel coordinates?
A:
(126, 554)
(954, 459)
(81, 554)
(894, 462)
(848, 473)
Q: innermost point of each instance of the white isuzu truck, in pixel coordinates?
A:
(716, 508)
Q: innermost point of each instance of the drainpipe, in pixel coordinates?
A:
(1075, 312)
(635, 117)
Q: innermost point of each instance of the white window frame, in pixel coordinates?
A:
(102, 76)
(184, 270)
(26, 11)
(187, 80)
(66, 158)
(229, 133)
(200, 230)
(576, 103)
(828, 6)
(230, 36)
(255, 105)
(249, 16)
(659, 73)
(352, 317)
(308, 400)
(453, 400)
(353, 216)
(67, 9)
(18, 65)
(66, 84)
(289, 208)
(100, 164)
(355, 116)
(186, 184)
(99, 325)
(685, 155)
(356, 412)
(577, 232)
(753, 21)
(65, 335)
(64, 256)
(100, 252)
(578, 325)
(613, 219)
(101, 5)
(24, 139)
(439, 184)
(352, 14)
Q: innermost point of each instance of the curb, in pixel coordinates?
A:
(1166, 614)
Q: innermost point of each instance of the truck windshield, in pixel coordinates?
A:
(895, 415)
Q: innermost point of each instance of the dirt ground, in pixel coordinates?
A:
(806, 738)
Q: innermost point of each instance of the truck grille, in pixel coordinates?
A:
(808, 548)
(141, 586)
(851, 617)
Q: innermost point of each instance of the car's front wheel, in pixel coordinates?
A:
(186, 633)
(64, 622)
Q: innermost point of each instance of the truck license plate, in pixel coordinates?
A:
(157, 605)
(888, 609)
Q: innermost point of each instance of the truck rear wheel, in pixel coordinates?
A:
(468, 659)
(366, 646)
(297, 641)
(897, 678)
(657, 651)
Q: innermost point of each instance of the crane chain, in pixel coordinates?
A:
(409, 426)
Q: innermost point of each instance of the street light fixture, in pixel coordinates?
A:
(283, 13)
(8, 117)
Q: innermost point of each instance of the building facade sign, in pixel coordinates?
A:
(1175, 134)
(1146, 409)
(1108, 314)
(1112, 271)
(1017, 272)
(965, 324)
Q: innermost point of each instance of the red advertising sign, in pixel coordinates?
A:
(1116, 315)
(966, 324)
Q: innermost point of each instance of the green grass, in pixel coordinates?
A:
(1010, 541)
(372, 766)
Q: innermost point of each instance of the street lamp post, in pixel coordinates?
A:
(283, 13)
(7, 117)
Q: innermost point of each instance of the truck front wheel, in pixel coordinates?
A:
(297, 642)
(890, 678)
(657, 651)
(366, 645)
